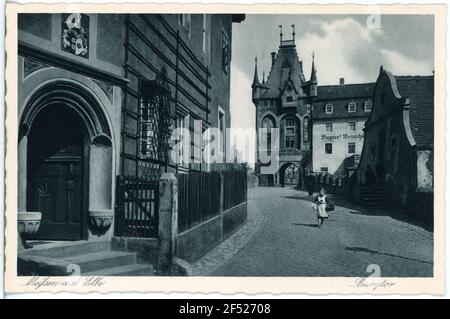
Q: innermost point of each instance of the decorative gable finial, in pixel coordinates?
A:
(281, 33)
(381, 69)
(255, 76)
(293, 33)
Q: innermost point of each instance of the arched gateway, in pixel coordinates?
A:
(289, 175)
(65, 159)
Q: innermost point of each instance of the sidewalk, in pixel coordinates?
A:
(216, 258)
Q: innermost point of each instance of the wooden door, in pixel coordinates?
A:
(55, 173)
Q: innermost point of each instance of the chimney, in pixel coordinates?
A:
(341, 81)
(274, 54)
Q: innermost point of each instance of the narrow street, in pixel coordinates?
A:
(289, 243)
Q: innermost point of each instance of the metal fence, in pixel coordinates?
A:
(234, 188)
(137, 207)
(198, 198)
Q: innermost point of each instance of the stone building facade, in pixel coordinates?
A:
(84, 81)
(284, 101)
(338, 118)
(398, 142)
(320, 127)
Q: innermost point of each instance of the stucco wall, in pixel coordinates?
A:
(425, 169)
(339, 137)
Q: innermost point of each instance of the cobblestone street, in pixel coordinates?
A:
(281, 239)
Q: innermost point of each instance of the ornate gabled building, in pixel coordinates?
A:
(399, 144)
(284, 101)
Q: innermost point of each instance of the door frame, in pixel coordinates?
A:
(85, 100)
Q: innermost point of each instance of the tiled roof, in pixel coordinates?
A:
(285, 66)
(340, 96)
(420, 91)
(327, 92)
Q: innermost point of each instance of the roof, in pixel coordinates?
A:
(420, 91)
(286, 66)
(340, 96)
(327, 92)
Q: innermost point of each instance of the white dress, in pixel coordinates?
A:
(321, 202)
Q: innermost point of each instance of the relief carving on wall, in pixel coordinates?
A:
(108, 89)
(75, 34)
(30, 66)
(393, 142)
(45, 190)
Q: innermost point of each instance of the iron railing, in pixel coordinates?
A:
(198, 198)
(234, 188)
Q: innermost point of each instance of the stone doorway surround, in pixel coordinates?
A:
(56, 86)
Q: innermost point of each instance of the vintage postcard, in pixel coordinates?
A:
(225, 148)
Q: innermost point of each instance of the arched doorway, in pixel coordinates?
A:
(289, 175)
(65, 160)
(56, 162)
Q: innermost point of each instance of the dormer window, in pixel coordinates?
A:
(329, 108)
(351, 107)
(368, 106)
(289, 98)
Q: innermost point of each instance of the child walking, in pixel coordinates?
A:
(321, 202)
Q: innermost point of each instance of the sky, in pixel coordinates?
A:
(345, 46)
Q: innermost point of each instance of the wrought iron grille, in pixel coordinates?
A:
(153, 127)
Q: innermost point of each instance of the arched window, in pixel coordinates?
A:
(306, 129)
(290, 132)
(268, 124)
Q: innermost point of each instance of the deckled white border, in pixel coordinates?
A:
(228, 285)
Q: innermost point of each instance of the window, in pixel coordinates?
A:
(289, 98)
(328, 127)
(185, 21)
(306, 129)
(268, 124)
(351, 126)
(328, 148)
(324, 169)
(351, 147)
(148, 141)
(351, 107)
(289, 132)
(368, 106)
(329, 109)
(225, 53)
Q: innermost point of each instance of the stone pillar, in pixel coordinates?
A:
(22, 174)
(101, 214)
(168, 222)
(22, 182)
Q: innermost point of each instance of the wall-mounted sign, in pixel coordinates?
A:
(75, 34)
(330, 138)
